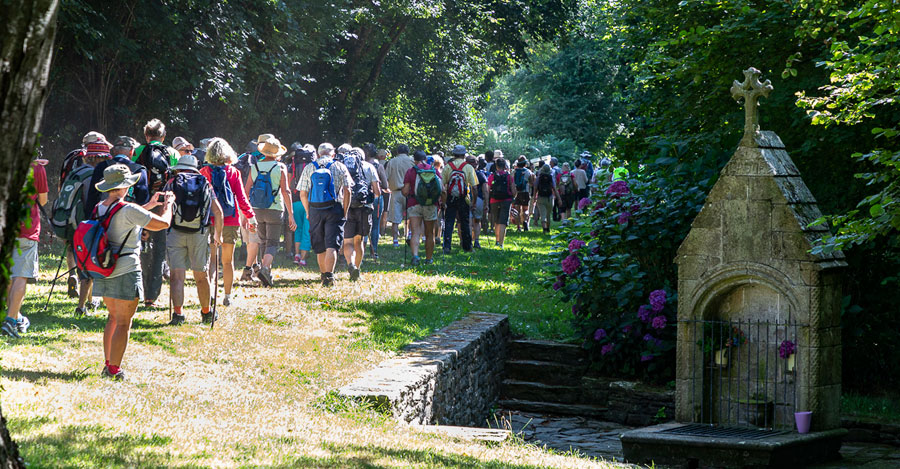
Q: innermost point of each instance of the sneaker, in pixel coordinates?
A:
(22, 324)
(73, 287)
(247, 276)
(354, 274)
(499, 245)
(415, 260)
(226, 301)
(525, 227)
(80, 311)
(265, 276)
(328, 280)
(149, 304)
(429, 261)
(177, 319)
(302, 263)
(375, 256)
(117, 377)
(297, 259)
(10, 328)
(476, 245)
(396, 243)
(95, 304)
(207, 318)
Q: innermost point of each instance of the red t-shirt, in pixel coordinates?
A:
(410, 179)
(509, 183)
(32, 229)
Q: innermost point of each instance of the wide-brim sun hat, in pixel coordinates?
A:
(117, 176)
(271, 147)
(186, 163)
(458, 150)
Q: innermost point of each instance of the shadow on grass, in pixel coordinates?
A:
(373, 457)
(86, 446)
(38, 375)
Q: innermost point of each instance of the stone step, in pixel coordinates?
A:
(544, 372)
(467, 433)
(540, 392)
(545, 350)
(550, 408)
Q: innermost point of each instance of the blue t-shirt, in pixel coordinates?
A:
(482, 179)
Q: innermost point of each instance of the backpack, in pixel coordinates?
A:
(155, 158)
(321, 192)
(224, 194)
(93, 254)
(262, 194)
(520, 180)
(545, 185)
(428, 187)
(68, 208)
(500, 189)
(74, 160)
(566, 184)
(192, 198)
(360, 194)
(456, 184)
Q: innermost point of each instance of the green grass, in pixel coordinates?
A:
(883, 408)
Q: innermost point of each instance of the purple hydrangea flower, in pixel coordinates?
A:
(644, 313)
(574, 309)
(583, 203)
(657, 300)
(600, 205)
(599, 334)
(617, 189)
(786, 349)
(595, 233)
(595, 250)
(570, 264)
(646, 358)
(648, 337)
(659, 322)
(608, 348)
(576, 244)
(623, 218)
(559, 284)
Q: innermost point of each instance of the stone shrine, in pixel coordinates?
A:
(759, 335)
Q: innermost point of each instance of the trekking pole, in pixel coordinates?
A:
(215, 286)
(53, 284)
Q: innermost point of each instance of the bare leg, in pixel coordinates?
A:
(176, 288)
(16, 294)
(119, 327)
(327, 260)
(228, 267)
(358, 251)
(252, 251)
(203, 289)
(84, 292)
(501, 233)
(415, 225)
(429, 238)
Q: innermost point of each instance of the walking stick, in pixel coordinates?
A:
(215, 286)
(53, 284)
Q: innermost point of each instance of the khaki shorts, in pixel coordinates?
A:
(188, 250)
(25, 259)
(230, 234)
(398, 206)
(425, 212)
(249, 237)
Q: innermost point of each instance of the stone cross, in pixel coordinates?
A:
(751, 89)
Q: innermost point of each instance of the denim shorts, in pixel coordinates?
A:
(127, 287)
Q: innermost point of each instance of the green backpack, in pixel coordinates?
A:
(68, 208)
(428, 187)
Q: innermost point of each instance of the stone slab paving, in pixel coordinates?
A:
(600, 439)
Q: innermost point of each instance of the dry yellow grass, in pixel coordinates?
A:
(245, 393)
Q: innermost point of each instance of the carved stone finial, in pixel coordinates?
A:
(751, 89)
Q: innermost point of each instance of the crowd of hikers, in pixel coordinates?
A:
(132, 214)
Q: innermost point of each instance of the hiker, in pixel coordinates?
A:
(459, 181)
(123, 288)
(545, 192)
(604, 172)
(188, 240)
(363, 192)
(422, 188)
(382, 155)
(437, 162)
(396, 168)
(502, 190)
(524, 181)
(156, 158)
(303, 155)
(267, 188)
(183, 147)
(250, 238)
(226, 182)
(75, 158)
(481, 190)
(122, 152)
(580, 177)
(24, 266)
(567, 191)
(324, 188)
(587, 166)
(372, 156)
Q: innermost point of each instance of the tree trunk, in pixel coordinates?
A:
(27, 47)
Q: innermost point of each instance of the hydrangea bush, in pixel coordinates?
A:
(614, 265)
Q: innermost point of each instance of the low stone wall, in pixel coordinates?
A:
(871, 432)
(450, 378)
(629, 403)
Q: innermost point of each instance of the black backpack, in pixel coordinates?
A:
(155, 158)
(500, 187)
(545, 185)
(360, 193)
(192, 199)
(520, 179)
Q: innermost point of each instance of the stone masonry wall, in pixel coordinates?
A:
(450, 378)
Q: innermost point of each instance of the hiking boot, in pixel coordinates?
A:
(415, 260)
(265, 276)
(429, 261)
(227, 300)
(256, 269)
(354, 273)
(525, 227)
(247, 275)
(10, 328)
(80, 311)
(177, 319)
(73, 286)
(22, 324)
(149, 304)
(327, 279)
(207, 318)
(120, 376)
(396, 243)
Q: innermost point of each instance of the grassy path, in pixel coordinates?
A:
(255, 391)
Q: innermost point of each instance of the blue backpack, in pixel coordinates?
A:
(322, 193)
(223, 191)
(262, 195)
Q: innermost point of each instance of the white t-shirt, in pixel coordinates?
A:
(581, 179)
(129, 219)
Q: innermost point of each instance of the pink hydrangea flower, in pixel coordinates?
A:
(599, 334)
(576, 244)
(617, 189)
(570, 264)
(659, 322)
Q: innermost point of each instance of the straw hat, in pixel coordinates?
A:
(270, 146)
(117, 176)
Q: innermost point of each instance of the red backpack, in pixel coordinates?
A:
(93, 253)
